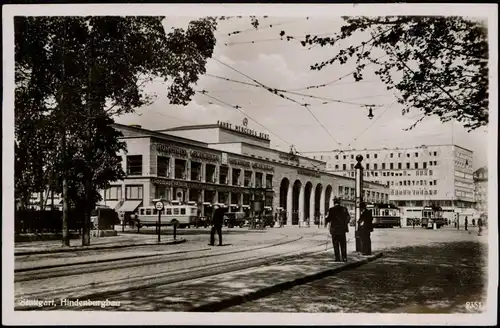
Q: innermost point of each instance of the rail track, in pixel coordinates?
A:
(173, 271)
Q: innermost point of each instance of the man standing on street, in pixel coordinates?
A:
(339, 218)
(217, 221)
(466, 223)
(365, 228)
(480, 225)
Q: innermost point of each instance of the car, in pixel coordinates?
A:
(234, 219)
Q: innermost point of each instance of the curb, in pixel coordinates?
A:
(266, 291)
(90, 248)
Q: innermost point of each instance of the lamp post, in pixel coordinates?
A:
(359, 198)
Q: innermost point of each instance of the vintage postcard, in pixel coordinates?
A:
(250, 164)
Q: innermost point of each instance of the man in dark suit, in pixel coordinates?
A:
(338, 217)
(365, 227)
(217, 221)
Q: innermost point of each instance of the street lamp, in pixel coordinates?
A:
(370, 113)
(359, 198)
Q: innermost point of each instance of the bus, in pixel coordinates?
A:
(180, 215)
(385, 215)
(432, 215)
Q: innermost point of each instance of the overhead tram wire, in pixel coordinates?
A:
(204, 93)
(281, 95)
(335, 80)
(325, 100)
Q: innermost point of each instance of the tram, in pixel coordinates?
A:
(385, 215)
(432, 215)
(180, 215)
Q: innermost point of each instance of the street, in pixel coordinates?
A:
(419, 266)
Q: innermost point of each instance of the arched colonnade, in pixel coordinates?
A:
(302, 200)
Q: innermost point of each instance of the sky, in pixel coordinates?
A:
(262, 56)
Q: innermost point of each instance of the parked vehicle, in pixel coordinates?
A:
(180, 215)
(234, 219)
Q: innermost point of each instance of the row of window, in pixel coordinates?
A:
(391, 166)
(134, 167)
(414, 183)
(367, 156)
(407, 192)
(132, 192)
(391, 174)
(350, 193)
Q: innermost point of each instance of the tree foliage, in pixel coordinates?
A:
(73, 74)
(439, 65)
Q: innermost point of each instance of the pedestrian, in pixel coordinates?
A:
(480, 225)
(365, 227)
(217, 221)
(466, 223)
(473, 222)
(413, 222)
(338, 218)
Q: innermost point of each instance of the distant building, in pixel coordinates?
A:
(417, 177)
(481, 190)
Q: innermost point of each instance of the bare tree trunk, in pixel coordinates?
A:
(65, 227)
(41, 201)
(86, 215)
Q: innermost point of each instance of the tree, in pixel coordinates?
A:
(439, 65)
(79, 72)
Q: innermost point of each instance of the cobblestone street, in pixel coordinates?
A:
(426, 277)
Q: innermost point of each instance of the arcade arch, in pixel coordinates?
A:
(297, 194)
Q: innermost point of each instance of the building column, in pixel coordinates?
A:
(201, 200)
(289, 205)
(215, 197)
(186, 195)
(301, 203)
(322, 207)
(188, 169)
(203, 172)
(312, 205)
(171, 163)
(230, 176)
(170, 195)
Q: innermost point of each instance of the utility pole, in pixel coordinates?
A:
(359, 199)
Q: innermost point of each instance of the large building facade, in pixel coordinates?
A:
(481, 190)
(417, 177)
(221, 163)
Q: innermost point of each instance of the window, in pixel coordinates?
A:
(430, 172)
(169, 211)
(435, 182)
(416, 165)
(425, 165)
(407, 165)
(435, 153)
(352, 166)
(367, 155)
(392, 173)
(400, 166)
(435, 163)
(367, 166)
(336, 166)
(336, 156)
(391, 166)
(344, 167)
(352, 156)
(392, 155)
(376, 174)
(134, 192)
(162, 163)
(375, 155)
(258, 179)
(408, 155)
(162, 191)
(383, 166)
(113, 193)
(134, 165)
(399, 155)
(352, 174)
(269, 181)
(374, 166)
(176, 211)
(180, 169)
(183, 211)
(430, 183)
(416, 154)
(345, 156)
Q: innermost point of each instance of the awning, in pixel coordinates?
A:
(113, 204)
(130, 205)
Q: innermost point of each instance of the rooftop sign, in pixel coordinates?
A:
(243, 129)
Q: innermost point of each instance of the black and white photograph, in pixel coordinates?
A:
(210, 164)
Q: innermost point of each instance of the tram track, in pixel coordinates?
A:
(167, 277)
(62, 270)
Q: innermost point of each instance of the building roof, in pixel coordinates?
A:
(190, 127)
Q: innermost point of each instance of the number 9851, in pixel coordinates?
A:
(473, 305)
